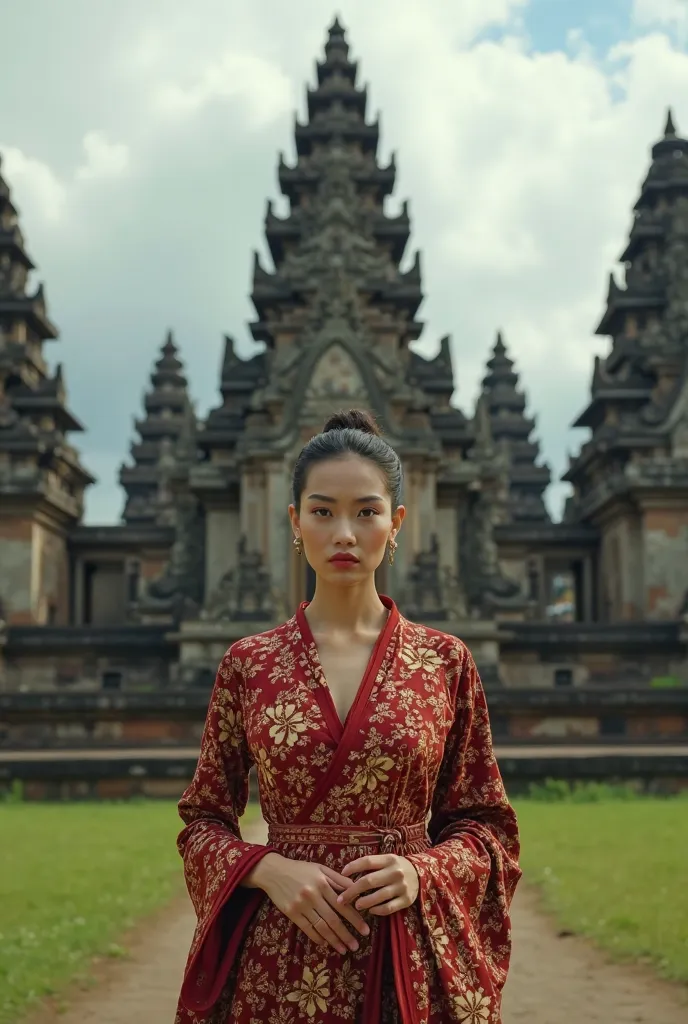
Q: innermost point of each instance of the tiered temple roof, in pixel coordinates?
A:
(636, 387)
(337, 125)
(34, 417)
(336, 274)
(167, 408)
(239, 378)
(506, 406)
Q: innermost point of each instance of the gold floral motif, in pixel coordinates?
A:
(371, 773)
(281, 1015)
(347, 981)
(440, 940)
(472, 1007)
(266, 771)
(288, 723)
(231, 729)
(421, 659)
(312, 992)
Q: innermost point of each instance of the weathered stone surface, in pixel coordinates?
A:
(204, 553)
(666, 562)
(16, 554)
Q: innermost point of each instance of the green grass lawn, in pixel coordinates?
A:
(73, 877)
(615, 871)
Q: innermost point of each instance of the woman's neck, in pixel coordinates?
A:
(352, 609)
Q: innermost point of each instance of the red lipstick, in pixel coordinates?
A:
(344, 559)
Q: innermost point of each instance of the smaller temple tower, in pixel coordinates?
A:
(630, 478)
(167, 407)
(509, 426)
(42, 480)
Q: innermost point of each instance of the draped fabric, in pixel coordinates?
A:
(415, 748)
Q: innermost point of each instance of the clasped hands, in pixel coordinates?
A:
(320, 900)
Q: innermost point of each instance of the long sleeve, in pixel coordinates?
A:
(216, 859)
(469, 875)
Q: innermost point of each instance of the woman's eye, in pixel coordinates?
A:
(320, 511)
(368, 512)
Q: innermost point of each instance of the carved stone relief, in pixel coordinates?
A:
(336, 381)
(244, 593)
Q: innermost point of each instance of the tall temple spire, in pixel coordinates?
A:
(636, 387)
(34, 417)
(336, 314)
(670, 128)
(336, 276)
(167, 409)
(336, 227)
(506, 406)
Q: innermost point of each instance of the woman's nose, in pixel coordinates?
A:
(344, 532)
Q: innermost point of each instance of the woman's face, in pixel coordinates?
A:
(345, 519)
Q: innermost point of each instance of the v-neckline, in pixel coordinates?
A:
(323, 691)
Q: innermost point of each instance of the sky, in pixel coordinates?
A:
(141, 142)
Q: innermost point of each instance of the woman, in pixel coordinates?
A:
(361, 725)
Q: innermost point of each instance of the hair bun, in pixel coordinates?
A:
(353, 419)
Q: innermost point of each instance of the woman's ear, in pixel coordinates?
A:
(294, 518)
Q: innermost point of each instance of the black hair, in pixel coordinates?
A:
(350, 433)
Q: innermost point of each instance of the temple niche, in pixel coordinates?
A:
(336, 381)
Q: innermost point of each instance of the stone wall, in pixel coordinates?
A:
(108, 594)
(666, 561)
(34, 572)
(53, 573)
(92, 731)
(528, 670)
(83, 672)
(166, 778)
(591, 727)
(16, 561)
(221, 545)
(136, 722)
(621, 584)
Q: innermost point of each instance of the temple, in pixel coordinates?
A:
(579, 627)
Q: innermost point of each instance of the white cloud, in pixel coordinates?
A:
(45, 196)
(104, 159)
(521, 166)
(261, 88)
(419, 28)
(673, 13)
(36, 184)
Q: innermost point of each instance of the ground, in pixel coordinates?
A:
(554, 979)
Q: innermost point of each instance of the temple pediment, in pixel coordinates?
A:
(335, 380)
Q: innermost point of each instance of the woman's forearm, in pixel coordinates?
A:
(264, 870)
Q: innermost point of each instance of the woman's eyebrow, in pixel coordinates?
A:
(332, 501)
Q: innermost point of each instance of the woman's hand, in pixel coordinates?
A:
(307, 894)
(393, 879)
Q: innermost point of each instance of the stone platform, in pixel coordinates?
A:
(164, 771)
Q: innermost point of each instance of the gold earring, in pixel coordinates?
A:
(298, 545)
(392, 550)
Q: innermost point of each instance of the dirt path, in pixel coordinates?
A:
(141, 989)
(557, 980)
(553, 980)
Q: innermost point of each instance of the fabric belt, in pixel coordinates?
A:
(390, 839)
